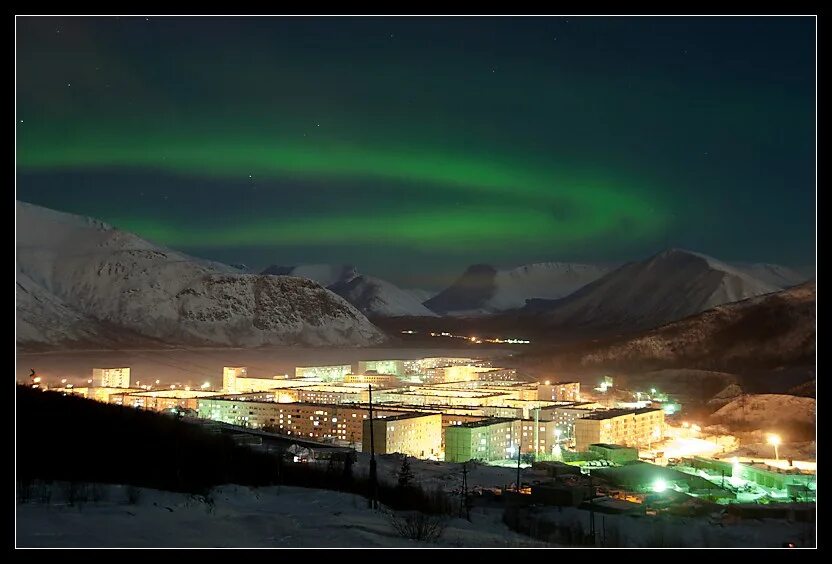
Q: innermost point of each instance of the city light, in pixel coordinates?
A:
(157, 382)
(659, 486)
(206, 385)
(775, 441)
(63, 380)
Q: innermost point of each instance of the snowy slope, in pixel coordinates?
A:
(377, 298)
(668, 286)
(268, 517)
(120, 279)
(485, 289)
(767, 410)
(371, 296)
(772, 330)
(773, 274)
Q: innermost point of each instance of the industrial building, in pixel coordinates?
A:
(628, 427)
(413, 434)
(111, 377)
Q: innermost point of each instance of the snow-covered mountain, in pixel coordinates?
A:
(377, 298)
(77, 274)
(639, 295)
(768, 331)
(774, 274)
(372, 296)
(324, 274)
(484, 289)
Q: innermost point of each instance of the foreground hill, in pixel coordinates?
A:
(665, 287)
(763, 332)
(79, 276)
(484, 289)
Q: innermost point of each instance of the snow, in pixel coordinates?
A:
(484, 289)
(666, 287)
(121, 280)
(378, 298)
(767, 410)
(700, 339)
(372, 296)
(774, 274)
(324, 274)
(276, 516)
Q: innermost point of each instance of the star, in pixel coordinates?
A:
(69, 84)
(249, 176)
(318, 124)
(21, 121)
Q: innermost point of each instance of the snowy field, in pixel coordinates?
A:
(276, 517)
(195, 366)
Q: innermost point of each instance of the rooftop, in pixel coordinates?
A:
(404, 416)
(612, 413)
(486, 422)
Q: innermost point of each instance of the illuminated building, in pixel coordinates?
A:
(381, 380)
(98, 393)
(420, 366)
(565, 415)
(235, 380)
(334, 373)
(498, 375)
(512, 389)
(613, 453)
(111, 377)
(394, 367)
(453, 373)
(489, 439)
(628, 427)
(160, 400)
(229, 377)
(559, 391)
(413, 434)
(337, 423)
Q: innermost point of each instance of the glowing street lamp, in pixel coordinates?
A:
(659, 486)
(775, 441)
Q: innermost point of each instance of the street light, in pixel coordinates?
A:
(775, 441)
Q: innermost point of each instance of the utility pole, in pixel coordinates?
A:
(519, 450)
(536, 429)
(373, 488)
(591, 509)
(464, 501)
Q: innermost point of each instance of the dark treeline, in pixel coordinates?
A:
(72, 439)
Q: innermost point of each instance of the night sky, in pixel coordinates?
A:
(412, 147)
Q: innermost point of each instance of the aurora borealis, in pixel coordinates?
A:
(412, 147)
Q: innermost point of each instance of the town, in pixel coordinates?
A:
(603, 449)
